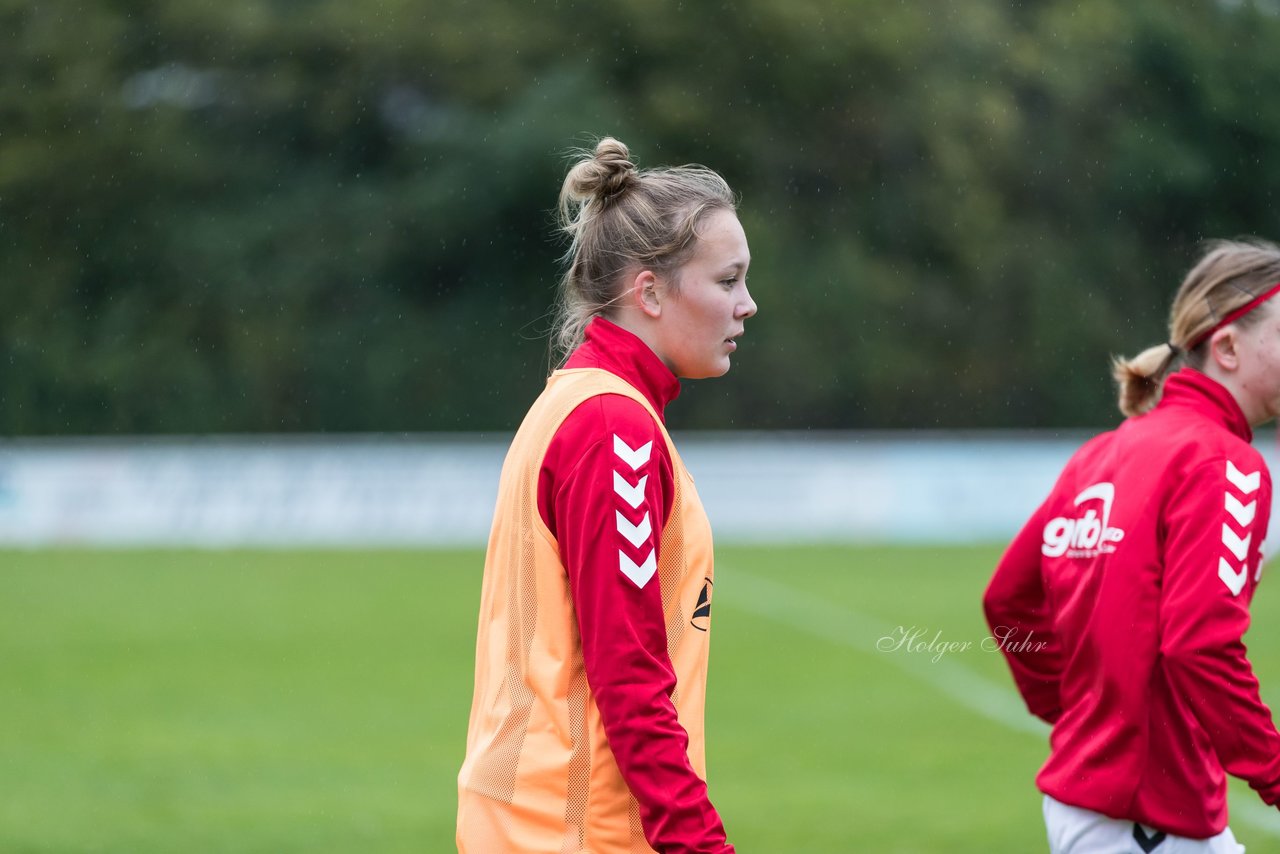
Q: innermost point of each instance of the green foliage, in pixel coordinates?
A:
(255, 216)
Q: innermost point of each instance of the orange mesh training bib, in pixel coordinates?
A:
(539, 775)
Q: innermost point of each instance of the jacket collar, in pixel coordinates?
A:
(1192, 389)
(611, 348)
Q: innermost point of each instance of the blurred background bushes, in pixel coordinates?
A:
(256, 215)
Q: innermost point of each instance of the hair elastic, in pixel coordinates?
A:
(1234, 316)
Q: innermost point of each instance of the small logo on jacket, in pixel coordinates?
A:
(702, 611)
(1086, 535)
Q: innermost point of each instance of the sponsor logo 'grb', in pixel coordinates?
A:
(1086, 535)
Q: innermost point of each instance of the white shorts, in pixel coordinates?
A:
(1078, 831)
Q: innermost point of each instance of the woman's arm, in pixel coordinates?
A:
(1017, 611)
(1215, 525)
(607, 482)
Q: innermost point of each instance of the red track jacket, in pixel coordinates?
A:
(1121, 606)
(624, 636)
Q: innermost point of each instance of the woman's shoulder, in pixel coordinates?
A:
(608, 433)
(602, 417)
(1188, 444)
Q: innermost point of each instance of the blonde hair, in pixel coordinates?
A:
(1228, 275)
(619, 218)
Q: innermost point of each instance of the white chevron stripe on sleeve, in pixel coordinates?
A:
(1237, 546)
(1234, 580)
(635, 534)
(633, 495)
(1242, 513)
(1246, 483)
(639, 574)
(634, 457)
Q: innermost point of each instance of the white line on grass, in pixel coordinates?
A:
(849, 628)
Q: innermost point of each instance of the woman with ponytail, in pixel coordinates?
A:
(586, 730)
(1122, 603)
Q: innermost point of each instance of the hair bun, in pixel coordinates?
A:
(606, 173)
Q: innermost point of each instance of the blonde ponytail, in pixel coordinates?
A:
(1141, 379)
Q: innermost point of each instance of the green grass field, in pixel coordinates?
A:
(317, 701)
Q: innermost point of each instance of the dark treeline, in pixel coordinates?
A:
(257, 216)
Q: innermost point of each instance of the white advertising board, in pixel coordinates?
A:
(439, 490)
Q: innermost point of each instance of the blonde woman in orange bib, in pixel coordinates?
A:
(586, 730)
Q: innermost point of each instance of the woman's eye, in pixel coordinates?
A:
(728, 283)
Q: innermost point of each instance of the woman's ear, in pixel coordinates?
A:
(644, 293)
(1223, 350)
